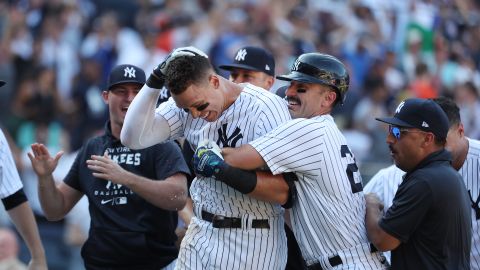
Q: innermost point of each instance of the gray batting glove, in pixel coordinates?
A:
(157, 78)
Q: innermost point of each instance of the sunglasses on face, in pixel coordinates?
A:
(397, 131)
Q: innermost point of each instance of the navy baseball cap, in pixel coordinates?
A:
(423, 114)
(126, 74)
(2, 83)
(252, 58)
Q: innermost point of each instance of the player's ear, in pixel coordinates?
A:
(330, 97)
(105, 96)
(270, 81)
(214, 81)
(461, 130)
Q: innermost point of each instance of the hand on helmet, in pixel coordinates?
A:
(157, 78)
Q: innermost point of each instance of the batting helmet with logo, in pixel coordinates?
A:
(320, 68)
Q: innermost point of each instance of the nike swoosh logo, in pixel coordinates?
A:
(106, 201)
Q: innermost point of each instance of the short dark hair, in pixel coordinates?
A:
(185, 71)
(451, 110)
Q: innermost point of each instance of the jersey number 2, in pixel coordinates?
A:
(351, 168)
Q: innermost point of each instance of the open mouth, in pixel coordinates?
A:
(125, 109)
(205, 115)
(292, 102)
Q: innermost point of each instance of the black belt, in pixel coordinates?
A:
(231, 222)
(335, 260)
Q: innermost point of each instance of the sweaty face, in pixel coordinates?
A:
(306, 100)
(200, 101)
(256, 78)
(119, 98)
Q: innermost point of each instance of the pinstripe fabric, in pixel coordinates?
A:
(9, 179)
(254, 113)
(328, 215)
(385, 184)
(470, 172)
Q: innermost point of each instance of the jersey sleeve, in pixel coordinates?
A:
(175, 117)
(9, 178)
(289, 147)
(408, 211)
(170, 161)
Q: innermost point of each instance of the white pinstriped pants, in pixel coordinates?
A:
(205, 247)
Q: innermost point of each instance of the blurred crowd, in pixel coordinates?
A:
(55, 56)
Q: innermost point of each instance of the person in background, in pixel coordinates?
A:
(16, 204)
(133, 194)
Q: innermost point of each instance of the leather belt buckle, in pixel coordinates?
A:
(219, 221)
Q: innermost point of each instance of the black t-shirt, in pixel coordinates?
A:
(431, 217)
(127, 231)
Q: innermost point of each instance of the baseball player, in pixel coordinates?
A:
(16, 204)
(328, 212)
(230, 230)
(133, 194)
(466, 159)
(256, 65)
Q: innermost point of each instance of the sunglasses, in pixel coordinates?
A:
(397, 131)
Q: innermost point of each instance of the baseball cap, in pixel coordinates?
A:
(126, 74)
(423, 114)
(252, 58)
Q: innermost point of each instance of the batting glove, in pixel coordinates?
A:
(207, 159)
(157, 77)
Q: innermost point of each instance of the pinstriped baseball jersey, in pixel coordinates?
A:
(9, 179)
(385, 184)
(254, 113)
(470, 172)
(328, 215)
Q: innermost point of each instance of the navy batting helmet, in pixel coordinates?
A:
(320, 68)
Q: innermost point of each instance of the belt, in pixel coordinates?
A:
(335, 260)
(232, 222)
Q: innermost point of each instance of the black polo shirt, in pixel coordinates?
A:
(126, 231)
(431, 217)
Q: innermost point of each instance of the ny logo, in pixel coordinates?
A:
(400, 106)
(241, 55)
(129, 71)
(228, 141)
(295, 65)
(164, 93)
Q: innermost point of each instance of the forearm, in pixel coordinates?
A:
(22, 217)
(257, 184)
(270, 188)
(244, 157)
(379, 238)
(169, 194)
(372, 217)
(51, 199)
(142, 127)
